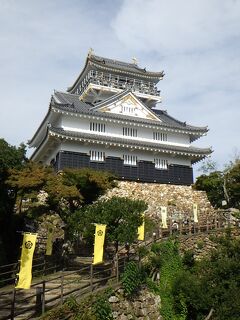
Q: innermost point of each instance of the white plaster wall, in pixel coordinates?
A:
(52, 154)
(57, 122)
(75, 123)
(115, 129)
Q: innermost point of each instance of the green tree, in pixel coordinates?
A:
(215, 283)
(28, 181)
(66, 191)
(232, 183)
(121, 215)
(220, 185)
(90, 183)
(213, 185)
(208, 166)
(10, 157)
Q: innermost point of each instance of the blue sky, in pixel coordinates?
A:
(197, 43)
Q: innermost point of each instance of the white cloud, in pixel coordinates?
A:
(197, 43)
(177, 26)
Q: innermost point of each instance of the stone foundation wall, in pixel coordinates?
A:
(201, 244)
(178, 199)
(46, 221)
(145, 306)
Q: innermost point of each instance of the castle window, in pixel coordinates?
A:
(130, 159)
(129, 132)
(97, 126)
(97, 155)
(127, 109)
(160, 136)
(161, 164)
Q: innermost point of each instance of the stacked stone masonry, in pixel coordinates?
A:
(178, 200)
(145, 306)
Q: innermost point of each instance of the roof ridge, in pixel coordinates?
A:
(67, 93)
(116, 61)
(118, 94)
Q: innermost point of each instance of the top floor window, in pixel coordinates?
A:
(130, 132)
(160, 136)
(97, 126)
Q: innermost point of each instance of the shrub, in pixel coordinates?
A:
(131, 279)
(101, 308)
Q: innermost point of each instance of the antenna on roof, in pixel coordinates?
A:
(90, 52)
(134, 60)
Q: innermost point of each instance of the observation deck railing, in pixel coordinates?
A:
(118, 82)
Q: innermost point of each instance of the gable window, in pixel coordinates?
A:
(130, 159)
(97, 126)
(127, 109)
(97, 155)
(161, 164)
(160, 136)
(129, 132)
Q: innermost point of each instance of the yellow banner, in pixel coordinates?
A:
(49, 241)
(141, 230)
(25, 273)
(164, 217)
(195, 212)
(99, 243)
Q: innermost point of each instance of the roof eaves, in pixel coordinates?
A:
(69, 89)
(79, 135)
(95, 113)
(40, 126)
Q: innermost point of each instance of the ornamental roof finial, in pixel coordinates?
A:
(134, 60)
(90, 52)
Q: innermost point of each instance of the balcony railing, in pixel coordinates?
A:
(118, 82)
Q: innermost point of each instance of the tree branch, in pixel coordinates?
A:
(209, 315)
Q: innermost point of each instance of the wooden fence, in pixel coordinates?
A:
(52, 289)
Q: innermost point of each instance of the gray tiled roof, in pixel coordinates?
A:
(124, 66)
(118, 66)
(112, 99)
(157, 146)
(71, 103)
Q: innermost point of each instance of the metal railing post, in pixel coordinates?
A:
(117, 267)
(13, 304)
(43, 296)
(180, 227)
(61, 289)
(216, 222)
(207, 225)
(189, 228)
(91, 276)
(44, 266)
(160, 233)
